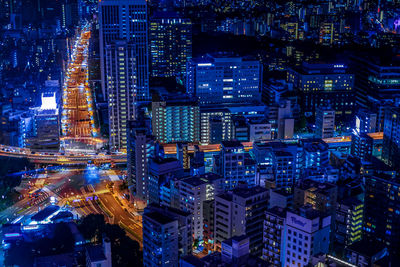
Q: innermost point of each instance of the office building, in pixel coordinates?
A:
(121, 91)
(274, 236)
(140, 150)
(275, 90)
(284, 168)
(193, 192)
(294, 31)
(349, 221)
(367, 253)
(160, 239)
(251, 129)
(233, 249)
(315, 153)
(238, 212)
(224, 78)
(281, 118)
(161, 171)
(259, 129)
(170, 44)
(391, 138)
(376, 84)
(126, 20)
(382, 210)
(176, 120)
(366, 121)
(324, 122)
(324, 85)
(307, 235)
(240, 129)
(216, 125)
(235, 165)
(361, 145)
(280, 198)
(185, 234)
(320, 196)
(279, 164)
(45, 135)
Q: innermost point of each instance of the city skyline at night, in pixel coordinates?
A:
(198, 133)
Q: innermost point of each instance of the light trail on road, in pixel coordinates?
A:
(77, 121)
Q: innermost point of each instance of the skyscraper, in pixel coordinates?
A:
(170, 44)
(126, 20)
(140, 149)
(120, 68)
(124, 63)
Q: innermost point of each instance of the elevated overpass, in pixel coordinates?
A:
(60, 158)
(71, 158)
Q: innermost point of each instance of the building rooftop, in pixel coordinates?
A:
(277, 211)
(320, 68)
(46, 212)
(222, 57)
(236, 239)
(282, 192)
(309, 213)
(366, 247)
(62, 215)
(158, 217)
(227, 196)
(248, 192)
(308, 184)
(158, 208)
(202, 179)
(314, 145)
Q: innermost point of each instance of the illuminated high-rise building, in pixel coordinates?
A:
(176, 120)
(120, 67)
(140, 149)
(328, 33)
(349, 221)
(323, 85)
(235, 165)
(46, 125)
(377, 80)
(126, 20)
(170, 44)
(224, 78)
